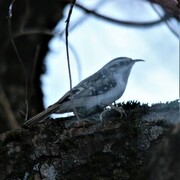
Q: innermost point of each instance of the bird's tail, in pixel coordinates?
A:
(42, 115)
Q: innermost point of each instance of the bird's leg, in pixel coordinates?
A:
(102, 114)
(76, 114)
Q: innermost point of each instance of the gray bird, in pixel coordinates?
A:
(94, 93)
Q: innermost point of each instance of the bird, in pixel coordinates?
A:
(94, 93)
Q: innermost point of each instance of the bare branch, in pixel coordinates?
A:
(67, 50)
(125, 23)
(83, 18)
(18, 56)
(167, 22)
(66, 33)
(35, 31)
(172, 6)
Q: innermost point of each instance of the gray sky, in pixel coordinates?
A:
(97, 42)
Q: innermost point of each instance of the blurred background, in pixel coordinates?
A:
(94, 42)
(33, 64)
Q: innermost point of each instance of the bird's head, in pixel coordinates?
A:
(122, 62)
(121, 66)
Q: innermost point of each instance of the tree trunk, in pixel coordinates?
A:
(31, 48)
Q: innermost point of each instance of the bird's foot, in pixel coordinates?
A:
(118, 109)
(103, 114)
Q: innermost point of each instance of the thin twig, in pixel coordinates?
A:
(125, 23)
(77, 58)
(18, 56)
(167, 22)
(33, 74)
(35, 62)
(83, 18)
(66, 33)
(35, 31)
(67, 53)
(170, 7)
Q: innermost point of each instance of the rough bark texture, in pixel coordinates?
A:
(113, 149)
(164, 161)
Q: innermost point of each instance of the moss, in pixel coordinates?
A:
(132, 105)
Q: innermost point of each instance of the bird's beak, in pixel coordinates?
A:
(137, 60)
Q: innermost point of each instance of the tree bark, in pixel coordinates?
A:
(116, 148)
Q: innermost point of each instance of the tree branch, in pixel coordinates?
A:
(124, 23)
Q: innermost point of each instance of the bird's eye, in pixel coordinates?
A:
(122, 63)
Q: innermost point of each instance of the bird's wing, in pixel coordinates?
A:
(94, 85)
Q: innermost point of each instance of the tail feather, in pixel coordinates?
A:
(42, 115)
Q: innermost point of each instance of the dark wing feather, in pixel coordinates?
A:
(94, 85)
